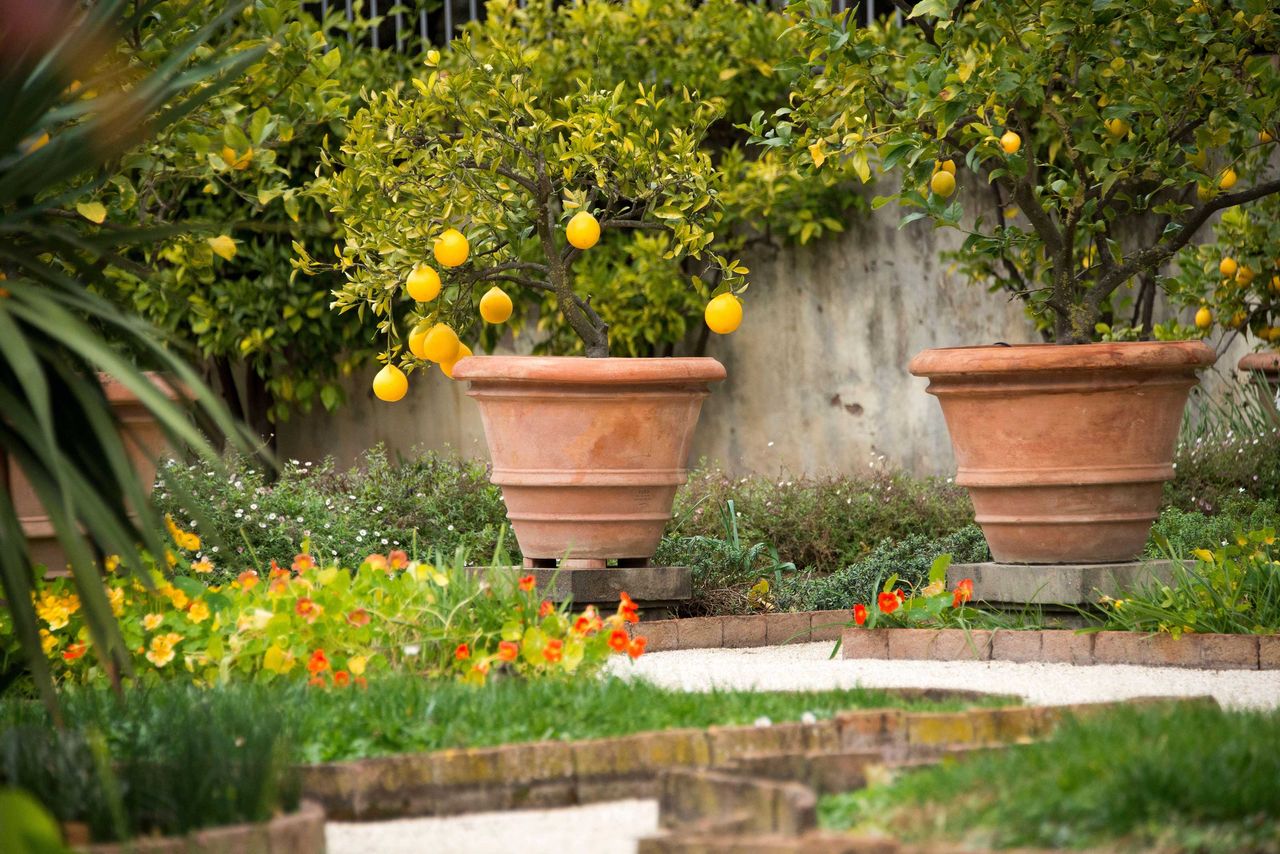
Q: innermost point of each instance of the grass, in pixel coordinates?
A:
(408, 714)
(1187, 777)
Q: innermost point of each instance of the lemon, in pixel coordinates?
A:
(945, 166)
(1238, 319)
(1244, 275)
(1264, 136)
(1228, 179)
(1227, 266)
(1275, 284)
(583, 231)
(1010, 142)
(1117, 127)
(723, 314)
(423, 283)
(1204, 318)
(441, 343)
(447, 367)
(390, 384)
(495, 305)
(416, 339)
(238, 162)
(943, 183)
(451, 248)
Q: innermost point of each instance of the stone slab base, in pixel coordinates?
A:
(652, 587)
(1056, 585)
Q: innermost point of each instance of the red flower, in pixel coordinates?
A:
(309, 609)
(636, 648)
(316, 681)
(341, 678)
(888, 602)
(318, 663)
(481, 667)
(589, 621)
(545, 608)
(526, 583)
(74, 651)
(359, 617)
(462, 653)
(397, 559)
(303, 562)
(553, 651)
(507, 650)
(628, 608)
(859, 613)
(362, 682)
(964, 592)
(276, 571)
(618, 640)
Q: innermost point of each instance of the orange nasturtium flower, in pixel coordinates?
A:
(378, 561)
(553, 651)
(888, 602)
(318, 663)
(964, 592)
(636, 648)
(246, 580)
(859, 613)
(303, 562)
(526, 583)
(75, 650)
(277, 571)
(308, 609)
(545, 608)
(618, 640)
(316, 682)
(198, 612)
(203, 566)
(341, 678)
(462, 653)
(161, 651)
(359, 617)
(507, 650)
(152, 621)
(397, 559)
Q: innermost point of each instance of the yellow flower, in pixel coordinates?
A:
(177, 597)
(170, 557)
(1204, 555)
(161, 651)
(115, 596)
(47, 641)
(356, 664)
(111, 563)
(53, 610)
(198, 612)
(204, 566)
(152, 621)
(72, 602)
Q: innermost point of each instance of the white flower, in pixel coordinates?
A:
(808, 718)
(412, 649)
(763, 721)
(253, 506)
(770, 444)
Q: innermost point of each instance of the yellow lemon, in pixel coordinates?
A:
(1117, 127)
(1204, 318)
(583, 231)
(447, 367)
(1227, 266)
(1275, 284)
(223, 246)
(441, 343)
(423, 283)
(238, 162)
(417, 338)
(723, 314)
(1244, 275)
(948, 166)
(1228, 179)
(1010, 142)
(1264, 136)
(1238, 319)
(943, 183)
(390, 384)
(495, 305)
(451, 248)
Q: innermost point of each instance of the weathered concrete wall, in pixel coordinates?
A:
(818, 376)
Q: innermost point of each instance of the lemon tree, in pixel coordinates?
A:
(1092, 140)
(501, 188)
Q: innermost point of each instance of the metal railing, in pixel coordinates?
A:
(410, 24)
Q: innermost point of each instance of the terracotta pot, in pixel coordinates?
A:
(588, 452)
(1064, 448)
(1268, 364)
(145, 446)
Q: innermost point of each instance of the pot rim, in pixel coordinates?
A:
(1021, 358)
(582, 370)
(1266, 360)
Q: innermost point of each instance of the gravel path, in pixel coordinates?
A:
(807, 667)
(615, 827)
(611, 828)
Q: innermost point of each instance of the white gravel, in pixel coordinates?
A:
(801, 667)
(610, 828)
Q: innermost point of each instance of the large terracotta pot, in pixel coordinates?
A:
(1268, 364)
(588, 452)
(145, 445)
(1064, 448)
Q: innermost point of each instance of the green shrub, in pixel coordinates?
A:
(1182, 531)
(155, 762)
(1218, 466)
(430, 501)
(858, 583)
(1185, 777)
(822, 524)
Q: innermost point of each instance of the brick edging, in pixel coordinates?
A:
(1205, 651)
(552, 773)
(298, 832)
(1197, 651)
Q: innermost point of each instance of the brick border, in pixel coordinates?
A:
(1203, 651)
(550, 774)
(300, 832)
(1195, 651)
